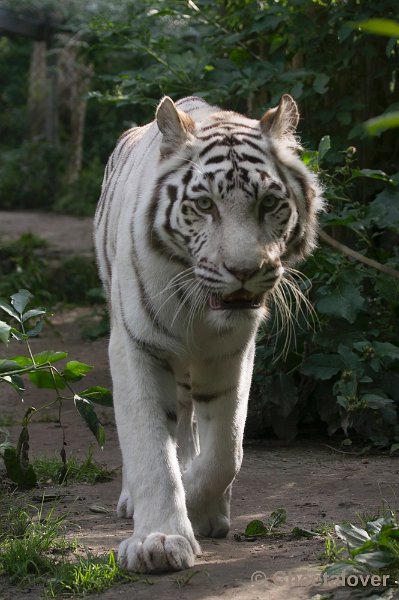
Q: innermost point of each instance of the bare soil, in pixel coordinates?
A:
(313, 483)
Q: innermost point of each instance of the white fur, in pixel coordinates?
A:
(178, 491)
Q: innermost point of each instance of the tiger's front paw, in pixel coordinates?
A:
(157, 553)
(124, 508)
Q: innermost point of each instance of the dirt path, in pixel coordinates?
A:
(312, 483)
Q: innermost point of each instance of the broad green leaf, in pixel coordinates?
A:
(35, 312)
(277, 518)
(20, 300)
(21, 337)
(322, 366)
(9, 310)
(343, 566)
(345, 302)
(324, 147)
(98, 395)
(46, 380)
(23, 477)
(5, 330)
(383, 122)
(372, 174)
(387, 349)
(377, 559)
(320, 83)
(85, 408)
(254, 528)
(48, 356)
(23, 361)
(75, 370)
(385, 27)
(9, 365)
(36, 330)
(18, 384)
(352, 535)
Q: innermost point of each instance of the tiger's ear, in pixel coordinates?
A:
(282, 120)
(174, 124)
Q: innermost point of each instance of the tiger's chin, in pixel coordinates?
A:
(240, 300)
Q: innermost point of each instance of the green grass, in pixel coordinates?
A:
(6, 420)
(53, 470)
(34, 550)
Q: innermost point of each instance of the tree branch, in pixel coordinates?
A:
(327, 239)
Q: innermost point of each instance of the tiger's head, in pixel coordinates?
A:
(238, 204)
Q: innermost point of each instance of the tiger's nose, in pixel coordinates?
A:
(242, 274)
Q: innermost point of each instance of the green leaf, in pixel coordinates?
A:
(23, 477)
(5, 330)
(345, 302)
(385, 27)
(383, 122)
(352, 535)
(75, 370)
(20, 300)
(49, 356)
(324, 147)
(9, 310)
(372, 174)
(322, 366)
(320, 83)
(18, 384)
(387, 349)
(86, 410)
(377, 559)
(45, 380)
(7, 365)
(36, 330)
(277, 518)
(255, 528)
(98, 395)
(35, 312)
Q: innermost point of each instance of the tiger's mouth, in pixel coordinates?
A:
(239, 300)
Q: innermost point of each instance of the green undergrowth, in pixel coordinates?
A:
(29, 263)
(53, 470)
(35, 549)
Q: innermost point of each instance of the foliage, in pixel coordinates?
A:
(244, 55)
(346, 373)
(70, 471)
(35, 550)
(42, 372)
(373, 549)
(24, 264)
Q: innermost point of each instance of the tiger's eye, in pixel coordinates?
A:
(268, 203)
(204, 203)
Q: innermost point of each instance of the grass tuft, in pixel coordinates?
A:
(54, 470)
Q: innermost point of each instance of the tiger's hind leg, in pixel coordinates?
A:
(186, 430)
(124, 507)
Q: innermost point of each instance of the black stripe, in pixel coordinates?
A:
(213, 396)
(150, 349)
(221, 134)
(216, 159)
(186, 386)
(171, 416)
(251, 159)
(209, 147)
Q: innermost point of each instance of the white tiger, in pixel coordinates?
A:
(201, 212)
